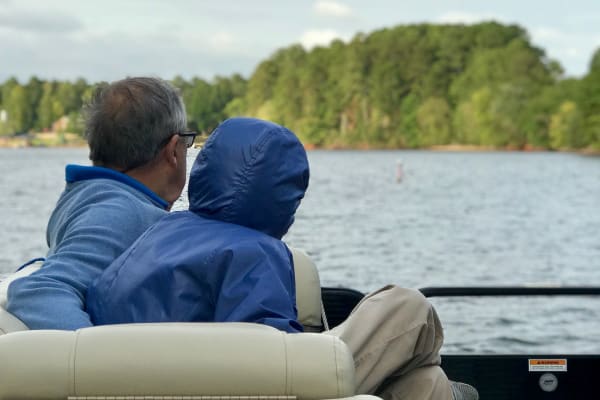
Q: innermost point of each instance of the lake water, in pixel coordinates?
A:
(455, 219)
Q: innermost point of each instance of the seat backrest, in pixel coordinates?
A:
(175, 359)
(308, 291)
(308, 294)
(19, 274)
(8, 322)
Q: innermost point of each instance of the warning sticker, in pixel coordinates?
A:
(548, 364)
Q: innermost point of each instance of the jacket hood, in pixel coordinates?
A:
(251, 173)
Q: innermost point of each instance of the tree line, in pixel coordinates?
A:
(410, 86)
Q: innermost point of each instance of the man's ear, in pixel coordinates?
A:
(169, 152)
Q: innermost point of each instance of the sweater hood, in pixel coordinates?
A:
(252, 173)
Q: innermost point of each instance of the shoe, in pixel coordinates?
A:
(463, 391)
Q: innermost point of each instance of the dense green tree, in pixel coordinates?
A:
(287, 94)
(260, 86)
(34, 92)
(318, 114)
(565, 127)
(47, 112)
(409, 127)
(595, 62)
(493, 34)
(538, 110)
(589, 103)
(434, 120)
(490, 118)
(465, 124)
(206, 102)
(477, 110)
(5, 93)
(517, 63)
(507, 116)
(7, 86)
(75, 124)
(18, 110)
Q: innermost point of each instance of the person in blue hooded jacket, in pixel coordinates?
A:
(223, 259)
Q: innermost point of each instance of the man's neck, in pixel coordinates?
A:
(154, 178)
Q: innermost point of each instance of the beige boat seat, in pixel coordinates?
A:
(220, 361)
(175, 361)
(19, 274)
(308, 292)
(8, 322)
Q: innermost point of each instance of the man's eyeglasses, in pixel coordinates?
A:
(188, 136)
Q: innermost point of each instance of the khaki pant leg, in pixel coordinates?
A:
(392, 332)
(421, 383)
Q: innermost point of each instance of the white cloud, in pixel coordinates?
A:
(544, 33)
(460, 17)
(115, 55)
(332, 9)
(38, 22)
(559, 42)
(322, 37)
(574, 49)
(219, 44)
(222, 40)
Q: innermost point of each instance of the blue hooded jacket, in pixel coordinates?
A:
(223, 260)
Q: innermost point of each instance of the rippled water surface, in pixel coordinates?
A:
(455, 219)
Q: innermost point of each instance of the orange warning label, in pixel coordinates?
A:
(548, 364)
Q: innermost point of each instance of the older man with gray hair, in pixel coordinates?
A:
(136, 131)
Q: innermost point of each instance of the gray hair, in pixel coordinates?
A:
(127, 122)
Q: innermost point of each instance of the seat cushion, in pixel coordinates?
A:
(191, 359)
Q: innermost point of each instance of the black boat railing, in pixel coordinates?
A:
(511, 376)
(503, 376)
(339, 302)
(455, 291)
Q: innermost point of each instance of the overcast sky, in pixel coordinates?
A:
(111, 39)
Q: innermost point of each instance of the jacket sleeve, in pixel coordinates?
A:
(54, 296)
(258, 286)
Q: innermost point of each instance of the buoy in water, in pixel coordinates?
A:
(399, 171)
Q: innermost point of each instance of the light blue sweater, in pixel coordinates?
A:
(99, 214)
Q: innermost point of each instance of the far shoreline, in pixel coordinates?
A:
(456, 148)
(72, 140)
(43, 140)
